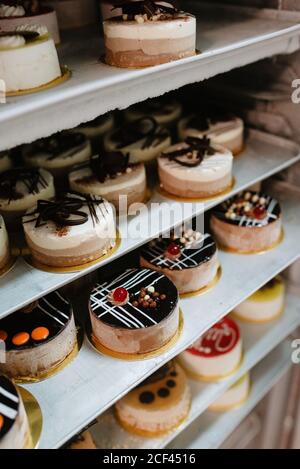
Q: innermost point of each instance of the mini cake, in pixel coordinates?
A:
(4, 246)
(216, 354)
(20, 189)
(264, 305)
(142, 140)
(165, 111)
(28, 59)
(190, 261)
(234, 397)
(148, 33)
(195, 168)
(70, 231)
(134, 313)
(158, 405)
(73, 14)
(5, 161)
(249, 222)
(14, 427)
(38, 338)
(14, 13)
(111, 176)
(222, 129)
(98, 127)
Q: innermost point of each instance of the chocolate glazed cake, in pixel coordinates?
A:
(38, 338)
(134, 313)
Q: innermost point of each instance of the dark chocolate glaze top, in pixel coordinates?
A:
(9, 405)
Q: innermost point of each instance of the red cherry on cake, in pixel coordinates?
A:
(173, 251)
(259, 212)
(120, 295)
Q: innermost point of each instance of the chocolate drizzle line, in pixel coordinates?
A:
(30, 177)
(143, 128)
(144, 7)
(58, 144)
(195, 150)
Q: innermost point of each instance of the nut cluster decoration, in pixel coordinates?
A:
(248, 204)
(146, 298)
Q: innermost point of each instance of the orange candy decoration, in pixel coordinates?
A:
(1, 421)
(21, 338)
(3, 335)
(40, 333)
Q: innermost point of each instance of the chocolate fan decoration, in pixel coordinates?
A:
(144, 7)
(139, 129)
(195, 150)
(30, 177)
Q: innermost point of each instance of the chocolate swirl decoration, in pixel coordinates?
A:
(30, 177)
(195, 150)
(145, 7)
(143, 128)
(64, 143)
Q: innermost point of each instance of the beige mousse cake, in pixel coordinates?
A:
(4, 246)
(70, 231)
(14, 427)
(190, 260)
(148, 33)
(135, 312)
(38, 338)
(216, 354)
(165, 110)
(249, 222)
(158, 405)
(195, 168)
(234, 397)
(5, 161)
(265, 304)
(111, 176)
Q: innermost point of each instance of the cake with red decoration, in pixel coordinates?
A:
(134, 313)
(148, 33)
(158, 405)
(189, 259)
(165, 110)
(249, 222)
(14, 426)
(38, 338)
(195, 168)
(216, 354)
(4, 246)
(234, 397)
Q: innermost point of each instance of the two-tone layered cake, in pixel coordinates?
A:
(216, 354)
(189, 260)
(165, 110)
(38, 338)
(70, 231)
(5, 161)
(234, 397)
(14, 427)
(4, 246)
(158, 405)
(135, 312)
(148, 33)
(195, 168)
(249, 222)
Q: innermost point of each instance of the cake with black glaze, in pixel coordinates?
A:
(135, 312)
(189, 260)
(158, 405)
(165, 110)
(249, 222)
(14, 427)
(38, 338)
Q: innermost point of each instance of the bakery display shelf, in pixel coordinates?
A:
(210, 430)
(258, 341)
(227, 38)
(263, 156)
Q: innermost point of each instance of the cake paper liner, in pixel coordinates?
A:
(235, 406)
(207, 288)
(261, 251)
(167, 195)
(258, 321)
(34, 415)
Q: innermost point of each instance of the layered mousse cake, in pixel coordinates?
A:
(166, 111)
(222, 129)
(265, 304)
(148, 33)
(14, 426)
(4, 246)
(71, 230)
(28, 58)
(38, 338)
(98, 127)
(195, 168)
(14, 13)
(143, 140)
(234, 397)
(190, 261)
(110, 175)
(20, 189)
(158, 405)
(5, 161)
(134, 313)
(216, 354)
(249, 222)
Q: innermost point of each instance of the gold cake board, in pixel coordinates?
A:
(65, 75)
(34, 415)
(205, 289)
(261, 251)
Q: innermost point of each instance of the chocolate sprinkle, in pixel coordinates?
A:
(145, 7)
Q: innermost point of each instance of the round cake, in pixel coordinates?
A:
(234, 397)
(222, 129)
(190, 261)
(158, 405)
(195, 169)
(216, 354)
(249, 222)
(110, 175)
(14, 427)
(134, 313)
(70, 231)
(264, 305)
(98, 127)
(20, 189)
(5, 161)
(142, 140)
(166, 111)
(148, 33)
(38, 338)
(28, 58)
(4, 246)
